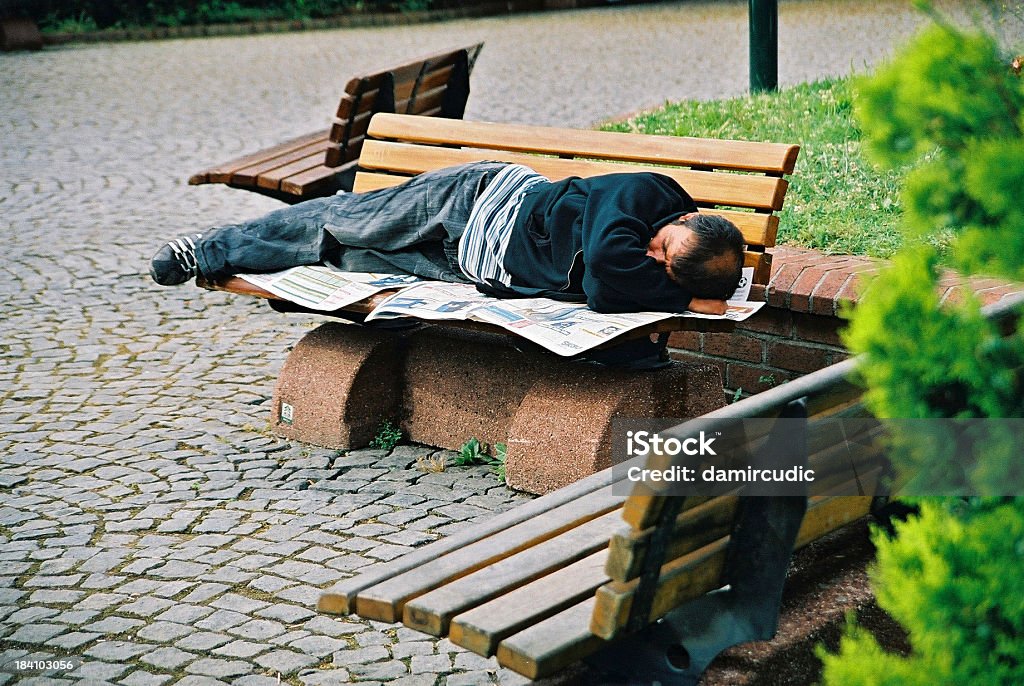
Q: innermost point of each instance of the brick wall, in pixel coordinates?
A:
(797, 332)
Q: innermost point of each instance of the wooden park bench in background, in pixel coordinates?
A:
(325, 381)
(323, 162)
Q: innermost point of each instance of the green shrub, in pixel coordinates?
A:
(76, 15)
(951, 576)
(952, 579)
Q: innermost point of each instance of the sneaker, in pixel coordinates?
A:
(175, 263)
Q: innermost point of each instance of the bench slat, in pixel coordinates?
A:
(386, 600)
(483, 627)
(310, 156)
(552, 644)
(340, 598)
(774, 158)
(757, 228)
(735, 190)
(694, 528)
(313, 181)
(432, 612)
(222, 172)
(272, 178)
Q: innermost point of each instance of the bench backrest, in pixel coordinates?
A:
(694, 536)
(737, 179)
(435, 85)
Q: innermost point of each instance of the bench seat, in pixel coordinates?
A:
(323, 162)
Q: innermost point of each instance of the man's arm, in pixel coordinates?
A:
(617, 227)
(621, 277)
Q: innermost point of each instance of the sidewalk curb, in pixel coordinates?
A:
(487, 9)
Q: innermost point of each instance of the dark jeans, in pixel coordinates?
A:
(413, 228)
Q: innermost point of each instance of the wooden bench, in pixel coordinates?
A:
(585, 571)
(737, 179)
(740, 180)
(323, 162)
(647, 588)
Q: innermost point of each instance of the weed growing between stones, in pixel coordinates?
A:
(387, 437)
(475, 452)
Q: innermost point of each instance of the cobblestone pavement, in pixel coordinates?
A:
(150, 528)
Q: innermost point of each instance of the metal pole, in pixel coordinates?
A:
(764, 45)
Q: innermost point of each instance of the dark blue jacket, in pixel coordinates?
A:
(579, 239)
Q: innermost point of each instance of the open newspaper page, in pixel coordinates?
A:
(322, 288)
(432, 300)
(563, 328)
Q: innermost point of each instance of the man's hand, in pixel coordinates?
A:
(705, 306)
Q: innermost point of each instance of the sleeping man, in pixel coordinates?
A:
(624, 242)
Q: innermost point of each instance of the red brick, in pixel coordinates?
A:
(989, 296)
(817, 328)
(797, 357)
(800, 293)
(854, 288)
(770, 320)
(735, 346)
(754, 379)
(782, 282)
(823, 297)
(687, 340)
(951, 295)
(758, 293)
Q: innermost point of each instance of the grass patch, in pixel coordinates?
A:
(838, 201)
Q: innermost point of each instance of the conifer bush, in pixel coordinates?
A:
(952, 575)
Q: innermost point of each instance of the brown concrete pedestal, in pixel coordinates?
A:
(337, 386)
(446, 386)
(563, 429)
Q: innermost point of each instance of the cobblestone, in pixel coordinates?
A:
(148, 523)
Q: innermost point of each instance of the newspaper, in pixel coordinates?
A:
(563, 328)
(325, 289)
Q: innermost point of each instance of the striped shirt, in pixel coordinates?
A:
(489, 227)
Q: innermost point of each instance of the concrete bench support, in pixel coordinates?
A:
(337, 385)
(443, 387)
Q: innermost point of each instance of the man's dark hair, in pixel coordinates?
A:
(712, 269)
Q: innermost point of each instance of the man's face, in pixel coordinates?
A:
(671, 241)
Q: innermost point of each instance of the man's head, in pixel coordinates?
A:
(703, 253)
